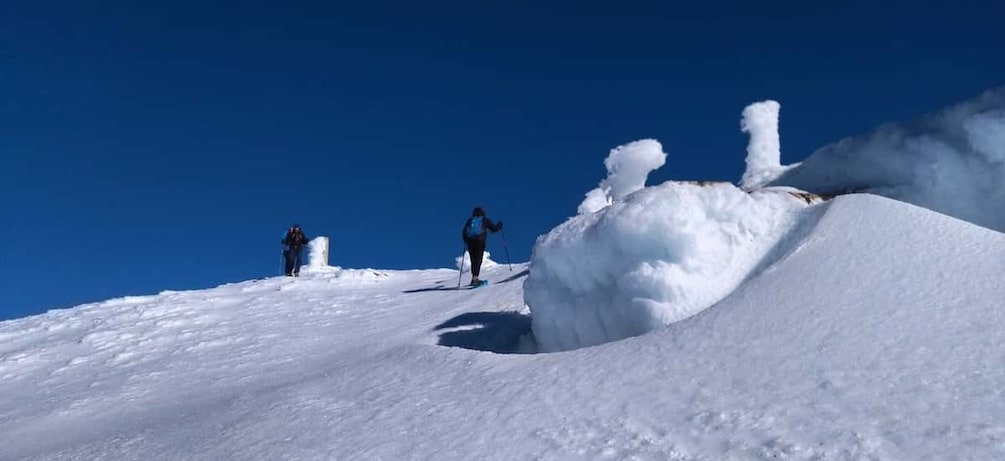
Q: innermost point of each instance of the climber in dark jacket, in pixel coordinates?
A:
(295, 240)
(475, 234)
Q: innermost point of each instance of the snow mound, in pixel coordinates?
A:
(952, 162)
(877, 337)
(636, 259)
(663, 254)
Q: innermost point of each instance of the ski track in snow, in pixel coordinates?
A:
(850, 343)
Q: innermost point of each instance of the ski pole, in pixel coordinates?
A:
(460, 270)
(506, 246)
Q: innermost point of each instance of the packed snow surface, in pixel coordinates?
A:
(879, 335)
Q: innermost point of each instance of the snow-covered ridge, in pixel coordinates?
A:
(952, 162)
(639, 258)
(781, 327)
(875, 337)
(76, 379)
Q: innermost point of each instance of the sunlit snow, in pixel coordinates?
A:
(694, 321)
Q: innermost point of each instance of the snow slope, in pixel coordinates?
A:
(880, 334)
(952, 162)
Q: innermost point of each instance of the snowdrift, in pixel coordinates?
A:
(636, 259)
(657, 257)
(952, 162)
(879, 336)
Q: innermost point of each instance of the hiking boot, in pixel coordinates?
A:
(475, 281)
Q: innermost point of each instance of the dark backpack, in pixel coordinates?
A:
(474, 228)
(295, 238)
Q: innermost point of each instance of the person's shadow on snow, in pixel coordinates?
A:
(442, 286)
(524, 273)
(499, 332)
(437, 288)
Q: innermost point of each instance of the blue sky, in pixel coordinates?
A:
(155, 147)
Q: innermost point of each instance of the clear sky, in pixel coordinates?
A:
(150, 147)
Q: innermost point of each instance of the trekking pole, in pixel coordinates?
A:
(506, 246)
(460, 270)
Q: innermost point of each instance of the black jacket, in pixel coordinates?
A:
(487, 225)
(295, 240)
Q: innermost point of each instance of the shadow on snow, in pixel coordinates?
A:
(525, 273)
(438, 288)
(442, 287)
(499, 332)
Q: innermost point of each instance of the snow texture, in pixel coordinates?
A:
(952, 162)
(662, 255)
(764, 151)
(628, 166)
(879, 335)
(665, 253)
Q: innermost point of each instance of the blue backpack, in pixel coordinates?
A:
(474, 228)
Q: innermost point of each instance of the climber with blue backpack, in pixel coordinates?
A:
(475, 234)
